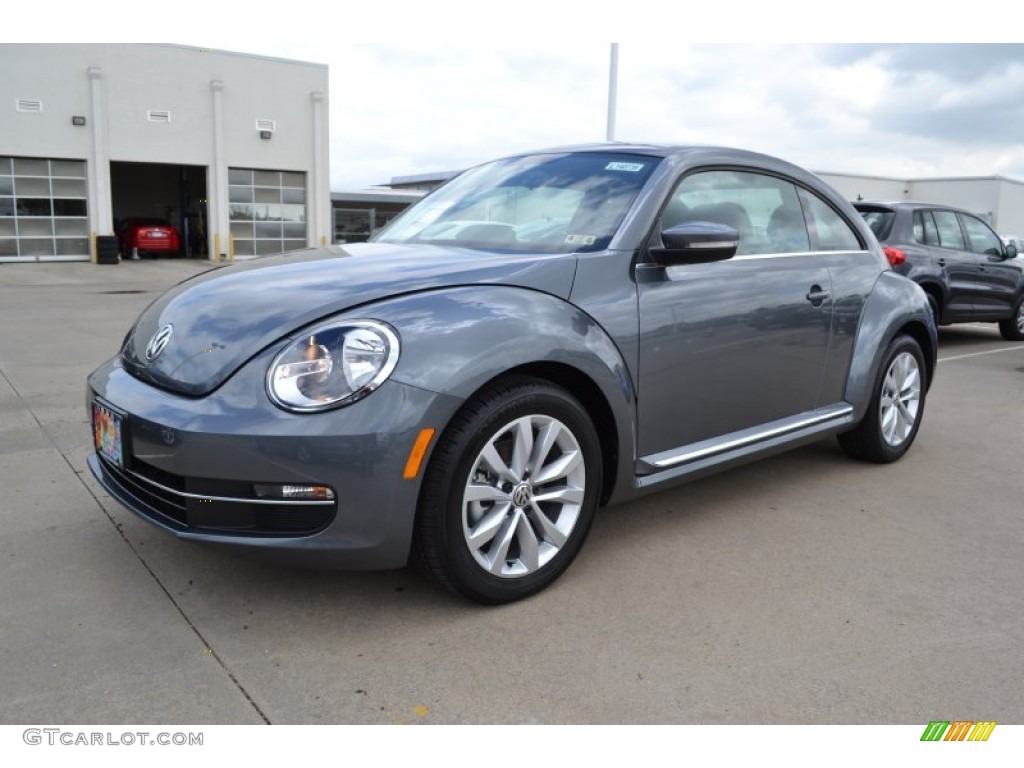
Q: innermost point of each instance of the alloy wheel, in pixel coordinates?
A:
(900, 399)
(523, 496)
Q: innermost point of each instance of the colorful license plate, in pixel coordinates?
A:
(108, 433)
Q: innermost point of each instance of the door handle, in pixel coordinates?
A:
(816, 295)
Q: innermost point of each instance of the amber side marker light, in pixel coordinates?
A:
(419, 450)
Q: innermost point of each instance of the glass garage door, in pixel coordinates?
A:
(43, 210)
(267, 211)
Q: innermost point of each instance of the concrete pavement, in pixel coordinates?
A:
(807, 588)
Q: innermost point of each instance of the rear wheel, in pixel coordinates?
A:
(510, 492)
(890, 425)
(1012, 328)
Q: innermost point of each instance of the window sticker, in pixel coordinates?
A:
(630, 167)
(580, 239)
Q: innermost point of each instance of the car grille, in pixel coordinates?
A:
(208, 506)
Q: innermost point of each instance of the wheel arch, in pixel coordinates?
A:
(507, 331)
(896, 305)
(919, 332)
(937, 291)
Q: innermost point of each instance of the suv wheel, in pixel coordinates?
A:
(1013, 327)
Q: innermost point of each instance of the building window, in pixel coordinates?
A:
(43, 209)
(267, 210)
(357, 225)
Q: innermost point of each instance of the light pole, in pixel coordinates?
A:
(613, 77)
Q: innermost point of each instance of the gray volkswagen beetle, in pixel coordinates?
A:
(543, 335)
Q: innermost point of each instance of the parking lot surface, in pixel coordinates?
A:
(807, 588)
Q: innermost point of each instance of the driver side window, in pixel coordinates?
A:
(765, 211)
(980, 238)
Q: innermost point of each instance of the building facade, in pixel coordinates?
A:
(231, 149)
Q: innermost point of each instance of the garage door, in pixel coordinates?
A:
(43, 210)
(267, 211)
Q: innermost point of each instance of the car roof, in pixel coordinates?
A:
(692, 155)
(656, 150)
(905, 204)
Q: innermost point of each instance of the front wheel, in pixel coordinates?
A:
(1012, 328)
(897, 404)
(510, 492)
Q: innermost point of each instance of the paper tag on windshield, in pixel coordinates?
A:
(580, 239)
(631, 167)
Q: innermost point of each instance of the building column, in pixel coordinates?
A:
(320, 229)
(217, 193)
(101, 217)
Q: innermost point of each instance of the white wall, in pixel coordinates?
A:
(1010, 219)
(866, 187)
(979, 196)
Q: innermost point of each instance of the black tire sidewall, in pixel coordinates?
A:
(457, 453)
(1009, 328)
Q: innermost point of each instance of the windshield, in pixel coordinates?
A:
(538, 204)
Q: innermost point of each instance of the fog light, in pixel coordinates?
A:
(294, 492)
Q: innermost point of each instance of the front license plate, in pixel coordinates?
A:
(108, 434)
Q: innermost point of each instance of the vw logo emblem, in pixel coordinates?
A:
(521, 496)
(159, 342)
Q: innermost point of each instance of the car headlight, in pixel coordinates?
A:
(332, 365)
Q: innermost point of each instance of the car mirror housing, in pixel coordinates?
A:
(1010, 251)
(696, 242)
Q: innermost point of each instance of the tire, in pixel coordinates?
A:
(897, 404)
(1012, 328)
(498, 521)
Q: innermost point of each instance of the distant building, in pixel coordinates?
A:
(232, 149)
(997, 199)
(358, 215)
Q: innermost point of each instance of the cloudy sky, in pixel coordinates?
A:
(452, 83)
(893, 110)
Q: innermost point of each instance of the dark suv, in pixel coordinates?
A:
(964, 267)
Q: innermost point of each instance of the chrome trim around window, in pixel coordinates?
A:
(790, 254)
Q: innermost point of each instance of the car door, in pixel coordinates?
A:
(958, 264)
(732, 345)
(997, 277)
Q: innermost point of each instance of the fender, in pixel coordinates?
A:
(456, 340)
(895, 304)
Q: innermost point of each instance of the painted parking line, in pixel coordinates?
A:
(1017, 348)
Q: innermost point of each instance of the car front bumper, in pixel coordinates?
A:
(190, 467)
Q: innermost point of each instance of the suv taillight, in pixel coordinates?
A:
(894, 255)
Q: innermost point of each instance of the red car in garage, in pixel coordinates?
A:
(148, 236)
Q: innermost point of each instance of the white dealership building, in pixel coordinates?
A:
(231, 149)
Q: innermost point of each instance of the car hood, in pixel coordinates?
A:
(222, 318)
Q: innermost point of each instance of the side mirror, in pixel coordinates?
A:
(1011, 251)
(696, 242)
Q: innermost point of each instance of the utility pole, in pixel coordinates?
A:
(613, 78)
